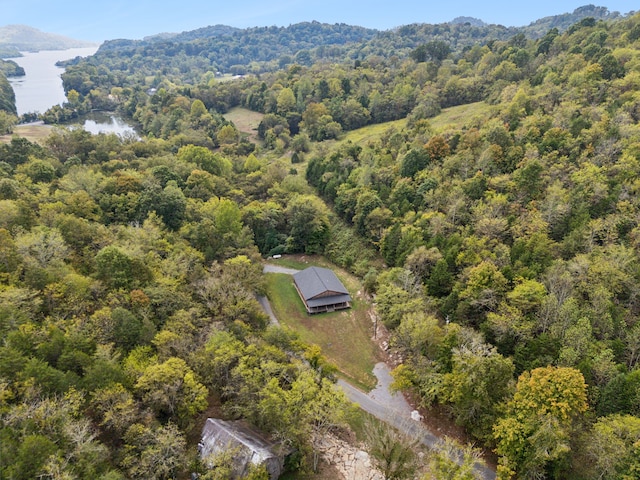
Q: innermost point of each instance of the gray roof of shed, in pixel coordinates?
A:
(250, 446)
(315, 281)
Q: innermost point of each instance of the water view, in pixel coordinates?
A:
(41, 88)
(104, 122)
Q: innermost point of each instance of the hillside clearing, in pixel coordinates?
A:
(372, 132)
(32, 132)
(449, 118)
(456, 117)
(246, 121)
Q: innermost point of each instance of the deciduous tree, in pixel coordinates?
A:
(535, 433)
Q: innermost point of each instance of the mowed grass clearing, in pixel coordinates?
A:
(343, 336)
(372, 132)
(33, 133)
(456, 117)
(246, 121)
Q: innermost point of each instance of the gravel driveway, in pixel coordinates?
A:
(277, 269)
(391, 408)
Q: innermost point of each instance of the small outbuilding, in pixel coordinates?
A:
(321, 291)
(247, 445)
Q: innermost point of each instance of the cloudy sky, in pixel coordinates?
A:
(99, 20)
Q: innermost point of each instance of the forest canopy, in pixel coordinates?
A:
(485, 190)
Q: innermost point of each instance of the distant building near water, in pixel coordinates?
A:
(321, 291)
(247, 445)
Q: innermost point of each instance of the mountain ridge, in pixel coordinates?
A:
(16, 38)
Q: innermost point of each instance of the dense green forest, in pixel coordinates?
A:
(7, 96)
(501, 246)
(127, 307)
(7, 99)
(185, 57)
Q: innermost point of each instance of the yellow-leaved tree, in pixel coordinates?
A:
(534, 435)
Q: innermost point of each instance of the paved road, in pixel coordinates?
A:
(402, 422)
(264, 301)
(382, 392)
(266, 306)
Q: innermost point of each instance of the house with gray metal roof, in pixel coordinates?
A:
(321, 291)
(247, 445)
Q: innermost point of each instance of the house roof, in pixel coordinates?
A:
(316, 283)
(332, 300)
(249, 445)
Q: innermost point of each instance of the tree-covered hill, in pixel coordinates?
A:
(269, 48)
(564, 21)
(10, 68)
(25, 38)
(7, 95)
(223, 48)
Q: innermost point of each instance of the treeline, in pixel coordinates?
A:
(8, 110)
(7, 97)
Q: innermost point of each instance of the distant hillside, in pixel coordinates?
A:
(563, 21)
(24, 38)
(252, 44)
(541, 26)
(7, 96)
(232, 50)
(11, 69)
(205, 32)
(9, 52)
(476, 22)
(229, 49)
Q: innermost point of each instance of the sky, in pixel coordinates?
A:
(99, 20)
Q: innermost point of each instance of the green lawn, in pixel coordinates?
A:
(344, 336)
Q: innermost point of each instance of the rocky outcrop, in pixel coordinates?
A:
(352, 463)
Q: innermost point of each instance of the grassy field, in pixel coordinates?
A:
(344, 336)
(246, 121)
(454, 117)
(372, 132)
(33, 133)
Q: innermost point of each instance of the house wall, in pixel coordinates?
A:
(329, 308)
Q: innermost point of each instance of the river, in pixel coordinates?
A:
(41, 88)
